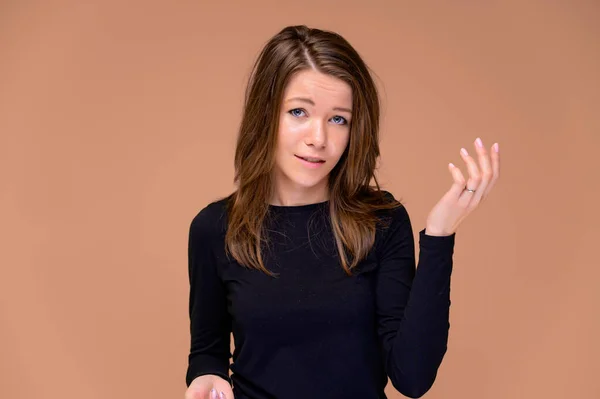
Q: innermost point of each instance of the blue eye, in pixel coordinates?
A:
(299, 112)
(339, 120)
(294, 112)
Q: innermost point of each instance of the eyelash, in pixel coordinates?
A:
(345, 121)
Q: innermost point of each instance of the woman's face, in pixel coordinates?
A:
(314, 123)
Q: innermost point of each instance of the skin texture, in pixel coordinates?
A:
(316, 126)
(457, 203)
(202, 386)
(314, 121)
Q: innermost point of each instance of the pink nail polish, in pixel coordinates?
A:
(464, 152)
(496, 147)
(478, 142)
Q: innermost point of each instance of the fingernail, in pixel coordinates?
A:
(464, 152)
(213, 393)
(478, 142)
(222, 395)
(496, 147)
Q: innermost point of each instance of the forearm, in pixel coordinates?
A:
(421, 339)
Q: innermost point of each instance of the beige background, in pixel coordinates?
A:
(118, 122)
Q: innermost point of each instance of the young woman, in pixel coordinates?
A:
(311, 267)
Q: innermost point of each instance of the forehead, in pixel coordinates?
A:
(322, 88)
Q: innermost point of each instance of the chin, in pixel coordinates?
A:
(307, 183)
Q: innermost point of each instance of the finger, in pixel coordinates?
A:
(459, 189)
(474, 174)
(485, 170)
(213, 394)
(459, 181)
(474, 178)
(495, 155)
(227, 394)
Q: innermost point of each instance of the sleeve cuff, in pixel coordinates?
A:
(434, 242)
(204, 366)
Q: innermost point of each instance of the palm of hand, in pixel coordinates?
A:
(464, 197)
(209, 387)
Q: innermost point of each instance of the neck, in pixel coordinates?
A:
(295, 198)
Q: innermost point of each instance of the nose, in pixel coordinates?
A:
(316, 134)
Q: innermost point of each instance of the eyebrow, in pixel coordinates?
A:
(311, 102)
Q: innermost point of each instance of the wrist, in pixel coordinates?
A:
(434, 232)
(209, 377)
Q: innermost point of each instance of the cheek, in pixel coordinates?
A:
(285, 140)
(339, 144)
(292, 129)
(289, 134)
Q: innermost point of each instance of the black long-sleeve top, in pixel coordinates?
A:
(314, 331)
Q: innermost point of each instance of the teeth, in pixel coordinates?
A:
(312, 159)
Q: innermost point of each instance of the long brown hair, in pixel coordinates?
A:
(352, 201)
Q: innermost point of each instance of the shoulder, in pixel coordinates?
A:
(211, 220)
(393, 223)
(397, 213)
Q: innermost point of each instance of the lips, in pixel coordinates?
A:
(311, 159)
